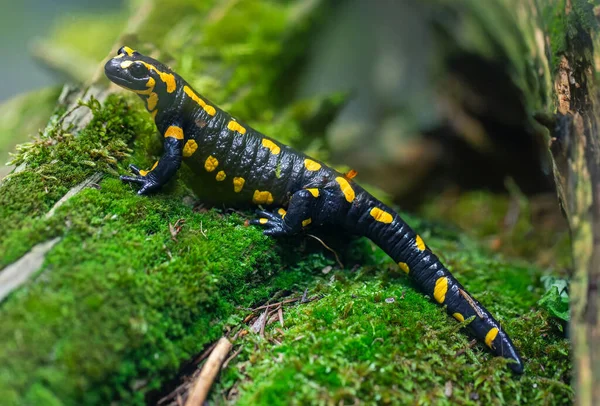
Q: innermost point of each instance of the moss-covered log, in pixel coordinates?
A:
(137, 287)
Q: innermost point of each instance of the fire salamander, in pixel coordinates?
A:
(242, 166)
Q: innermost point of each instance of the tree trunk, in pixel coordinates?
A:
(575, 148)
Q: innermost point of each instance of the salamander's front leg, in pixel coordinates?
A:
(297, 217)
(164, 169)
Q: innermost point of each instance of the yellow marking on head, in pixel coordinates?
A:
(346, 188)
(263, 197)
(420, 243)
(440, 290)
(404, 267)
(189, 148)
(235, 126)
(381, 216)
(311, 165)
(306, 222)
(168, 78)
(128, 50)
(490, 336)
(118, 56)
(153, 113)
(154, 166)
(220, 176)
(271, 145)
(152, 101)
(211, 163)
(210, 110)
(263, 221)
(175, 132)
(126, 64)
(314, 191)
(282, 212)
(459, 317)
(238, 184)
(143, 172)
(149, 87)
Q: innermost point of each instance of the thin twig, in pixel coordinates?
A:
(264, 322)
(280, 314)
(207, 376)
(286, 301)
(471, 302)
(205, 354)
(327, 247)
(232, 356)
(202, 231)
(463, 350)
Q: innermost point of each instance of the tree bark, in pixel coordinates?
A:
(575, 148)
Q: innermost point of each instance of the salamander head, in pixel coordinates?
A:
(143, 75)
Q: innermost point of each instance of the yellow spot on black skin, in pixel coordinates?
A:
(262, 197)
(235, 126)
(420, 243)
(459, 317)
(238, 184)
(220, 176)
(153, 113)
(490, 336)
(314, 192)
(144, 173)
(152, 101)
(346, 188)
(404, 267)
(211, 163)
(210, 110)
(263, 221)
(311, 165)
(175, 132)
(128, 51)
(271, 146)
(167, 78)
(189, 148)
(126, 64)
(381, 216)
(282, 212)
(440, 290)
(306, 222)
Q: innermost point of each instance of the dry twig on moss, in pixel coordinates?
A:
(202, 385)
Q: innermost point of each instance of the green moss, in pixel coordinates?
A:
(354, 344)
(120, 300)
(120, 304)
(58, 160)
(22, 117)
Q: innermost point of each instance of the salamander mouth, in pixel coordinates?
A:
(119, 76)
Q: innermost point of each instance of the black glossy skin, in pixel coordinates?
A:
(307, 194)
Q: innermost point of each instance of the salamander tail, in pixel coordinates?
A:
(385, 227)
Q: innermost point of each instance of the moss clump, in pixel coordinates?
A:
(58, 160)
(353, 344)
(21, 116)
(120, 303)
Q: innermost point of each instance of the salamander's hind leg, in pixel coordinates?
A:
(298, 215)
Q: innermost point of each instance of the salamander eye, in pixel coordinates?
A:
(137, 70)
(121, 51)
